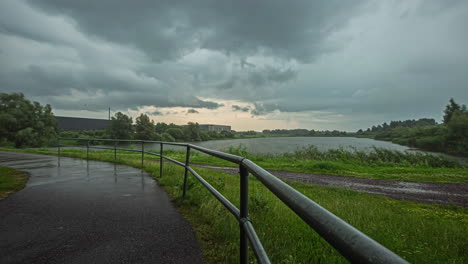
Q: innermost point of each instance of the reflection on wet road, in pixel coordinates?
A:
(90, 212)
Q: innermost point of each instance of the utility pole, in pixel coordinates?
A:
(109, 113)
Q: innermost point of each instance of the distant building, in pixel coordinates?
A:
(77, 123)
(216, 128)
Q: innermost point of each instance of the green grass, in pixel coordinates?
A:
(378, 164)
(420, 233)
(11, 181)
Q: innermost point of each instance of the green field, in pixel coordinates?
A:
(11, 181)
(420, 233)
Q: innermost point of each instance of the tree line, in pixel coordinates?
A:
(450, 136)
(122, 127)
(25, 123)
(299, 132)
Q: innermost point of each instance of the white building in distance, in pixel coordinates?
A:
(217, 128)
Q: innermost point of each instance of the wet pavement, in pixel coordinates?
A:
(90, 212)
(427, 192)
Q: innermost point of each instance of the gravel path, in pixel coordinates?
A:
(90, 212)
(441, 193)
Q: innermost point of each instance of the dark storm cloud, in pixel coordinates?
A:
(259, 77)
(169, 29)
(100, 49)
(372, 61)
(68, 90)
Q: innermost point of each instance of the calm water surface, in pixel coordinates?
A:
(278, 145)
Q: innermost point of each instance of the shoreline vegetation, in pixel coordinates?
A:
(418, 232)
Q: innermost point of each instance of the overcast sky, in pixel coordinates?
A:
(250, 64)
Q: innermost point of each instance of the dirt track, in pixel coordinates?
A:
(441, 193)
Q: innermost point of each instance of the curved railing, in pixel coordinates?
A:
(350, 242)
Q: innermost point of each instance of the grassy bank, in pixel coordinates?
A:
(378, 164)
(11, 181)
(420, 233)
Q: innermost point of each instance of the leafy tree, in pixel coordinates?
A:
(213, 134)
(226, 134)
(192, 132)
(144, 128)
(160, 127)
(425, 133)
(204, 135)
(458, 132)
(176, 133)
(167, 137)
(25, 123)
(121, 127)
(451, 108)
(157, 137)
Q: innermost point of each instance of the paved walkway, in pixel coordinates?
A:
(90, 212)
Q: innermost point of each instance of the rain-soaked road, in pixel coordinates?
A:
(90, 212)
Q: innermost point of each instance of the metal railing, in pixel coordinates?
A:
(347, 240)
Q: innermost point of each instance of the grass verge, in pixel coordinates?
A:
(420, 233)
(11, 180)
(378, 164)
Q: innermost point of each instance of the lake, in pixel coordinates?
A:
(278, 145)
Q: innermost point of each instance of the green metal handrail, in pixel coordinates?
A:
(349, 241)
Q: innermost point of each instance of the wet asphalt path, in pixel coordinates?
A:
(90, 212)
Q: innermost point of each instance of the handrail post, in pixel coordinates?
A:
(244, 213)
(115, 150)
(58, 143)
(161, 160)
(187, 162)
(142, 153)
(87, 149)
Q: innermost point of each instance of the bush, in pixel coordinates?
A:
(167, 137)
(175, 133)
(377, 156)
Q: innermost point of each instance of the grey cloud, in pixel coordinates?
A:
(256, 78)
(271, 75)
(192, 111)
(156, 113)
(263, 109)
(169, 29)
(205, 104)
(68, 90)
(245, 63)
(385, 59)
(240, 108)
